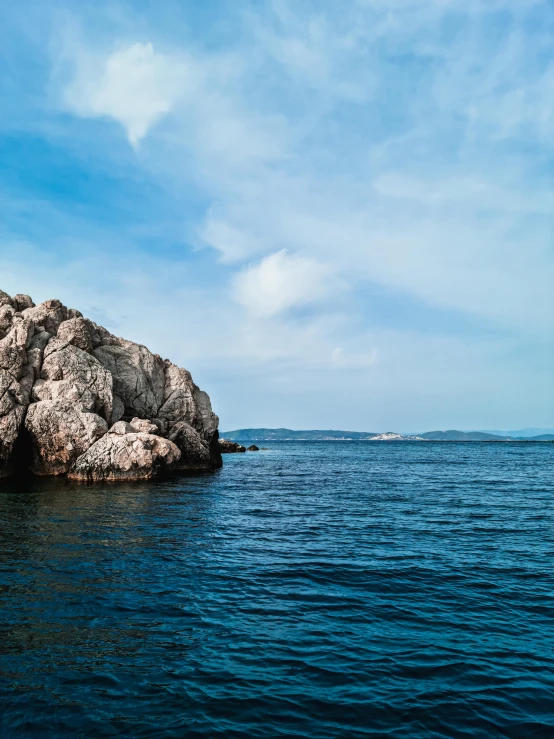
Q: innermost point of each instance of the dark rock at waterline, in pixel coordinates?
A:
(253, 448)
(76, 400)
(230, 447)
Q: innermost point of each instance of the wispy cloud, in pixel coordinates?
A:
(135, 86)
(279, 282)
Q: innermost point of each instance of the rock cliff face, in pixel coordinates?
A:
(76, 400)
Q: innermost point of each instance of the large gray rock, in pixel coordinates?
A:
(64, 380)
(126, 457)
(138, 375)
(59, 433)
(184, 401)
(79, 332)
(195, 451)
(21, 302)
(49, 314)
(72, 374)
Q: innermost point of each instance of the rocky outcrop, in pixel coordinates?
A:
(64, 381)
(253, 448)
(230, 447)
(127, 456)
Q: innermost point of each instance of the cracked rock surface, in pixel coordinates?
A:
(126, 457)
(76, 400)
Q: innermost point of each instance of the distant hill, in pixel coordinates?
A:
(290, 435)
(532, 432)
(463, 436)
(479, 436)
(262, 434)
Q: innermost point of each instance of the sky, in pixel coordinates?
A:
(334, 214)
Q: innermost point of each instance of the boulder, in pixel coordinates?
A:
(49, 314)
(226, 446)
(138, 375)
(79, 332)
(59, 433)
(195, 451)
(184, 401)
(22, 302)
(253, 448)
(72, 374)
(126, 457)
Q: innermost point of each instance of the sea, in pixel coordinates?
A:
(402, 590)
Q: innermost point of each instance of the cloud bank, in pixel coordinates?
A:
(356, 198)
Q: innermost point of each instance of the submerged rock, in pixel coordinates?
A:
(64, 381)
(226, 446)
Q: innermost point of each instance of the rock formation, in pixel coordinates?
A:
(76, 400)
(227, 446)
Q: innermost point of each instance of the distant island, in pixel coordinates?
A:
(262, 434)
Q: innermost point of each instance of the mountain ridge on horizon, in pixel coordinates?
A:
(285, 434)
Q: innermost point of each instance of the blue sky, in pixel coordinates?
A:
(335, 214)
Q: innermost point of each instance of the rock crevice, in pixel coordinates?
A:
(84, 403)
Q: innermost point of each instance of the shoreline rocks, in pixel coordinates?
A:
(76, 400)
(226, 446)
(230, 447)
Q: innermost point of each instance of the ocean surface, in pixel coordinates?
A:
(330, 589)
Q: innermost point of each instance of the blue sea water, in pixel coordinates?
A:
(332, 589)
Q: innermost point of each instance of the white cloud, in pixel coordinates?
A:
(135, 86)
(279, 282)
